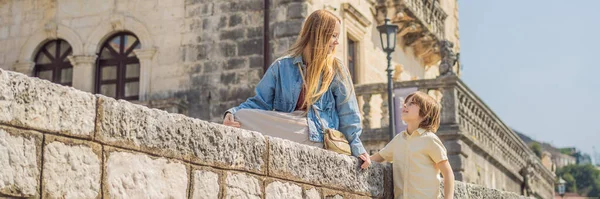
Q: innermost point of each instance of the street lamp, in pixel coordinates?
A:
(387, 34)
(561, 187)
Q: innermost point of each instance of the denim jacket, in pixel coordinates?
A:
(280, 87)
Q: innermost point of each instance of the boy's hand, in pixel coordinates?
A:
(229, 121)
(367, 160)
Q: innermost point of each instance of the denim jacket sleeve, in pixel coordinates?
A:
(349, 117)
(264, 92)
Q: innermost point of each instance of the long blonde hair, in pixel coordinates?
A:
(316, 33)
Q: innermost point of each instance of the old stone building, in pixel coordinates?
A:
(201, 57)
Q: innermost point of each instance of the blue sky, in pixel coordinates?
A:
(535, 63)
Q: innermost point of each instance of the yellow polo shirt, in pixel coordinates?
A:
(414, 158)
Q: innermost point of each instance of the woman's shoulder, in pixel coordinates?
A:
(284, 60)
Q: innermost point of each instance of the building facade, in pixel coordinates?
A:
(201, 57)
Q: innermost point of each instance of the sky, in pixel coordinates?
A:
(535, 64)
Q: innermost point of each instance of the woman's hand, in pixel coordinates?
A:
(365, 157)
(229, 121)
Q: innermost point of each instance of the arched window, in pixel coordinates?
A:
(51, 62)
(118, 71)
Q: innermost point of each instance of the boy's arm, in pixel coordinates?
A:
(377, 158)
(446, 171)
(387, 153)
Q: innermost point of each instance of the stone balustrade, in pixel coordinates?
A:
(430, 13)
(421, 25)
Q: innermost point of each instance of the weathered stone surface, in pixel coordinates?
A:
(20, 153)
(133, 175)
(311, 194)
(331, 194)
(206, 185)
(172, 135)
(460, 189)
(72, 169)
(355, 196)
(297, 10)
(277, 189)
(290, 160)
(465, 190)
(240, 185)
(41, 105)
(287, 28)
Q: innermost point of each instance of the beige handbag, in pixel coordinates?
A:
(334, 140)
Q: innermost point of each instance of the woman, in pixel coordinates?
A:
(295, 86)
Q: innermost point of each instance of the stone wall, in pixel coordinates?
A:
(58, 142)
(223, 54)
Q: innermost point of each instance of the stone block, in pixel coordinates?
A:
(230, 78)
(297, 10)
(227, 50)
(242, 185)
(235, 63)
(137, 175)
(511, 195)
(213, 66)
(287, 28)
(255, 32)
(136, 127)
(241, 6)
(475, 191)
(332, 194)
(277, 189)
(20, 162)
(235, 20)
(72, 168)
(237, 34)
(206, 183)
(302, 163)
(257, 62)
(251, 47)
(460, 189)
(355, 196)
(41, 105)
(311, 193)
(4, 32)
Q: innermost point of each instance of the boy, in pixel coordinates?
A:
(417, 154)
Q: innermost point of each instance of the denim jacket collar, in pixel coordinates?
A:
(298, 59)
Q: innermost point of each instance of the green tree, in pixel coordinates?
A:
(571, 185)
(583, 179)
(566, 151)
(537, 149)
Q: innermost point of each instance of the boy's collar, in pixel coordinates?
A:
(419, 130)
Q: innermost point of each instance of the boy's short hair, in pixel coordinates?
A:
(429, 109)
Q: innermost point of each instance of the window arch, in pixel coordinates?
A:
(118, 71)
(51, 62)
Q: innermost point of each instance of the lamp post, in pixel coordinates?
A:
(561, 187)
(387, 34)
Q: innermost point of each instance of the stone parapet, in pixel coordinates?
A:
(132, 151)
